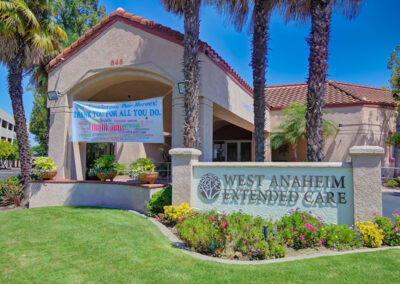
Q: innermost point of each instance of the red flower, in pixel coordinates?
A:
(224, 225)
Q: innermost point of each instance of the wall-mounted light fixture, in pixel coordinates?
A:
(181, 87)
(53, 95)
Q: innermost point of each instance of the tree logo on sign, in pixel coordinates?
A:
(209, 186)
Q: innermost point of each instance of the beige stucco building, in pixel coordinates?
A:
(126, 57)
(364, 116)
(7, 125)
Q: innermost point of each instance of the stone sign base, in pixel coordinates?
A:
(342, 193)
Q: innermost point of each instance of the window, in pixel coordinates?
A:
(10, 126)
(232, 151)
(4, 124)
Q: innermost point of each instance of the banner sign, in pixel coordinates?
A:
(133, 121)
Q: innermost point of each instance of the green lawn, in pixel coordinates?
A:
(70, 244)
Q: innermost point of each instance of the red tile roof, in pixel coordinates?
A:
(150, 27)
(336, 94)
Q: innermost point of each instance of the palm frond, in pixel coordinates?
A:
(23, 8)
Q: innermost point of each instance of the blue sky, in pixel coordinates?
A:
(359, 49)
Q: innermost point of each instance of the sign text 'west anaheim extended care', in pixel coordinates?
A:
(272, 192)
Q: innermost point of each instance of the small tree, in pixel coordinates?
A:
(294, 128)
(394, 65)
(6, 152)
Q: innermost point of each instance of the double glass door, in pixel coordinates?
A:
(232, 151)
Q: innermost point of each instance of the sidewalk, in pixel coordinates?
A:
(390, 189)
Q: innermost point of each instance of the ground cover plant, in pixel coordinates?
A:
(92, 245)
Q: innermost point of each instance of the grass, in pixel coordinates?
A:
(86, 245)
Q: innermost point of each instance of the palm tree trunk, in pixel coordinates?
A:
(191, 71)
(321, 12)
(259, 64)
(397, 147)
(15, 90)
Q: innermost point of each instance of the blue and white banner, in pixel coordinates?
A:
(133, 121)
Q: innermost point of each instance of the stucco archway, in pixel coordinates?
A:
(120, 85)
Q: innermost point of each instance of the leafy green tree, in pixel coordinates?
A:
(39, 121)
(76, 18)
(27, 34)
(293, 128)
(6, 152)
(394, 65)
(38, 151)
(320, 14)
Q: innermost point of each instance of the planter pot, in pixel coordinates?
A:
(149, 177)
(48, 175)
(105, 176)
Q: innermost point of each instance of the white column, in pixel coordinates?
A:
(178, 119)
(206, 129)
(58, 140)
(366, 162)
(182, 174)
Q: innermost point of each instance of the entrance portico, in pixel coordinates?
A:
(128, 58)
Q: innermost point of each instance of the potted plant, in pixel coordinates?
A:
(105, 167)
(144, 170)
(44, 168)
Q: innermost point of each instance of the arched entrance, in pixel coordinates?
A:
(122, 85)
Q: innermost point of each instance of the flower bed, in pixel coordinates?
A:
(243, 236)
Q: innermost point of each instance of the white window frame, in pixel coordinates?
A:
(239, 142)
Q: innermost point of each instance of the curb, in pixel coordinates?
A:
(181, 245)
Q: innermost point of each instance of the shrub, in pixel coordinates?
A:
(11, 191)
(300, 229)
(232, 235)
(105, 164)
(6, 183)
(121, 169)
(341, 236)
(41, 165)
(392, 183)
(391, 230)
(371, 235)
(159, 200)
(142, 165)
(173, 213)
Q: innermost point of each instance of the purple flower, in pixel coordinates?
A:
(302, 237)
(303, 217)
(396, 229)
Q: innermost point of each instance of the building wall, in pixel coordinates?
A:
(145, 57)
(358, 126)
(7, 124)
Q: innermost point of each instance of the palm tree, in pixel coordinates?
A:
(238, 11)
(190, 10)
(27, 34)
(293, 128)
(320, 13)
